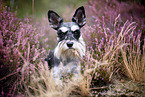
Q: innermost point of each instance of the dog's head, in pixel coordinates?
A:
(68, 34)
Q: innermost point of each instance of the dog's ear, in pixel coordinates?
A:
(54, 19)
(79, 17)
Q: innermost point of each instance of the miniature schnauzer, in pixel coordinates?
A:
(64, 59)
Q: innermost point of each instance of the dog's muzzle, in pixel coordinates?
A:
(69, 44)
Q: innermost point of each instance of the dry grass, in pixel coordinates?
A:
(134, 62)
(42, 84)
(127, 88)
(36, 80)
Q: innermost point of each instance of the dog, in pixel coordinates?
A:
(64, 59)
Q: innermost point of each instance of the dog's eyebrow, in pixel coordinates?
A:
(64, 29)
(74, 28)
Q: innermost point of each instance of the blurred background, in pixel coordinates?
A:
(38, 8)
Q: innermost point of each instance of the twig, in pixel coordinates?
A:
(8, 75)
(99, 88)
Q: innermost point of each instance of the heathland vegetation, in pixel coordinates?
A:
(114, 64)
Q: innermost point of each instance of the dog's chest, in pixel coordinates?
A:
(68, 66)
(69, 61)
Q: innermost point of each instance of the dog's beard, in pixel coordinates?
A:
(62, 51)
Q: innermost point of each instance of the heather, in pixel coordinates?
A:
(19, 50)
(114, 37)
(114, 61)
(116, 32)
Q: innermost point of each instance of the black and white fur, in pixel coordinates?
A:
(63, 58)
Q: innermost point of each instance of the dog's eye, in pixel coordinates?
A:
(76, 32)
(60, 33)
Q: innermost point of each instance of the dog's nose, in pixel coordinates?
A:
(69, 44)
